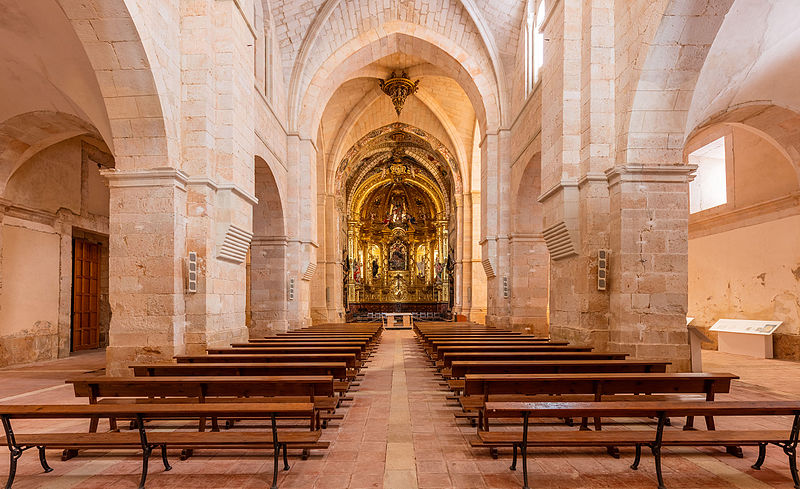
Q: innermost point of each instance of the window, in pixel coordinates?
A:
(538, 41)
(534, 43)
(709, 187)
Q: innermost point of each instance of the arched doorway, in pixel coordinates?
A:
(267, 270)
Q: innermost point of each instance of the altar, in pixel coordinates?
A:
(399, 256)
(397, 320)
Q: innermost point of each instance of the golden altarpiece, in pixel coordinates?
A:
(397, 238)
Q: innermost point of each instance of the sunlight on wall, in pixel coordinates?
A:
(709, 188)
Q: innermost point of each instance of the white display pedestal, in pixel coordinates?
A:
(746, 337)
(403, 320)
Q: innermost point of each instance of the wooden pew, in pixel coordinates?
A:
(488, 348)
(450, 357)
(661, 436)
(362, 346)
(280, 350)
(337, 370)
(479, 388)
(317, 389)
(348, 358)
(435, 341)
(460, 369)
(272, 439)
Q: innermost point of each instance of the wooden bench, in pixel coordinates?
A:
(459, 369)
(349, 359)
(281, 350)
(489, 348)
(322, 345)
(338, 370)
(317, 389)
(655, 439)
(478, 388)
(272, 439)
(450, 357)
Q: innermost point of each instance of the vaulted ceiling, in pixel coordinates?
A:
(311, 32)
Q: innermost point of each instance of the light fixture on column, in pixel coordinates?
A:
(399, 88)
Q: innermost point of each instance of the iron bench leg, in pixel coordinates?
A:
(514, 460)
(147, 449)
(762, 453)
(15, 452)
(43, 460)
(655, 447)
(524, 450)
(167, 466)
(790, 449)
(276, 453)
(637, 458)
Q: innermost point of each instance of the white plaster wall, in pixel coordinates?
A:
(31, 273)
(751, 272)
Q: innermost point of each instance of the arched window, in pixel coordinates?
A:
(534, 43)
(538, 40)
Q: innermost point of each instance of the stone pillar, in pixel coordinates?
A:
(529, 284)
(649, 264)
(147, 225)
(476, 285)
(458, 271)
(327, 305)
(301, 210)
(268, 286)
(496, 226)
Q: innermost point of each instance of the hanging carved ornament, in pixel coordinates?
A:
(398, 88)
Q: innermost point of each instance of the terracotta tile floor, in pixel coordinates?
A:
(400, 433)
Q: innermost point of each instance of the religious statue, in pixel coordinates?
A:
(439, 269)
(356, 273)
(374, 268)
(398, 256)
(422, 265)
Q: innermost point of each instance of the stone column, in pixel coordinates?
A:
(529, 283)
(458, 281)
(327, 305)
(268, 286)
(649, 264)
(496, 226)
(476, 286)
(147, 225)
(301, 209)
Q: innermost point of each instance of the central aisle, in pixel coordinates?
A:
(398, 432)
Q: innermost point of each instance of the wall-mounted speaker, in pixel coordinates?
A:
(191, 268)
(291, 289)
(505, 287)
(602, 269)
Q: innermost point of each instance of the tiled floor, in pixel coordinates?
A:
(400, 433)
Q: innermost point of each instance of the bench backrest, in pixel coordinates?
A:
(362, 346)
(267, 350)
(460, 369)
(202, 387)
(450, 357)
(597, 383)
(160, 410)
(348, 358)
(337, 370)
(638, 409)
(509, 348)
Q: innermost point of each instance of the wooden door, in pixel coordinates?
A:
(85, 294)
